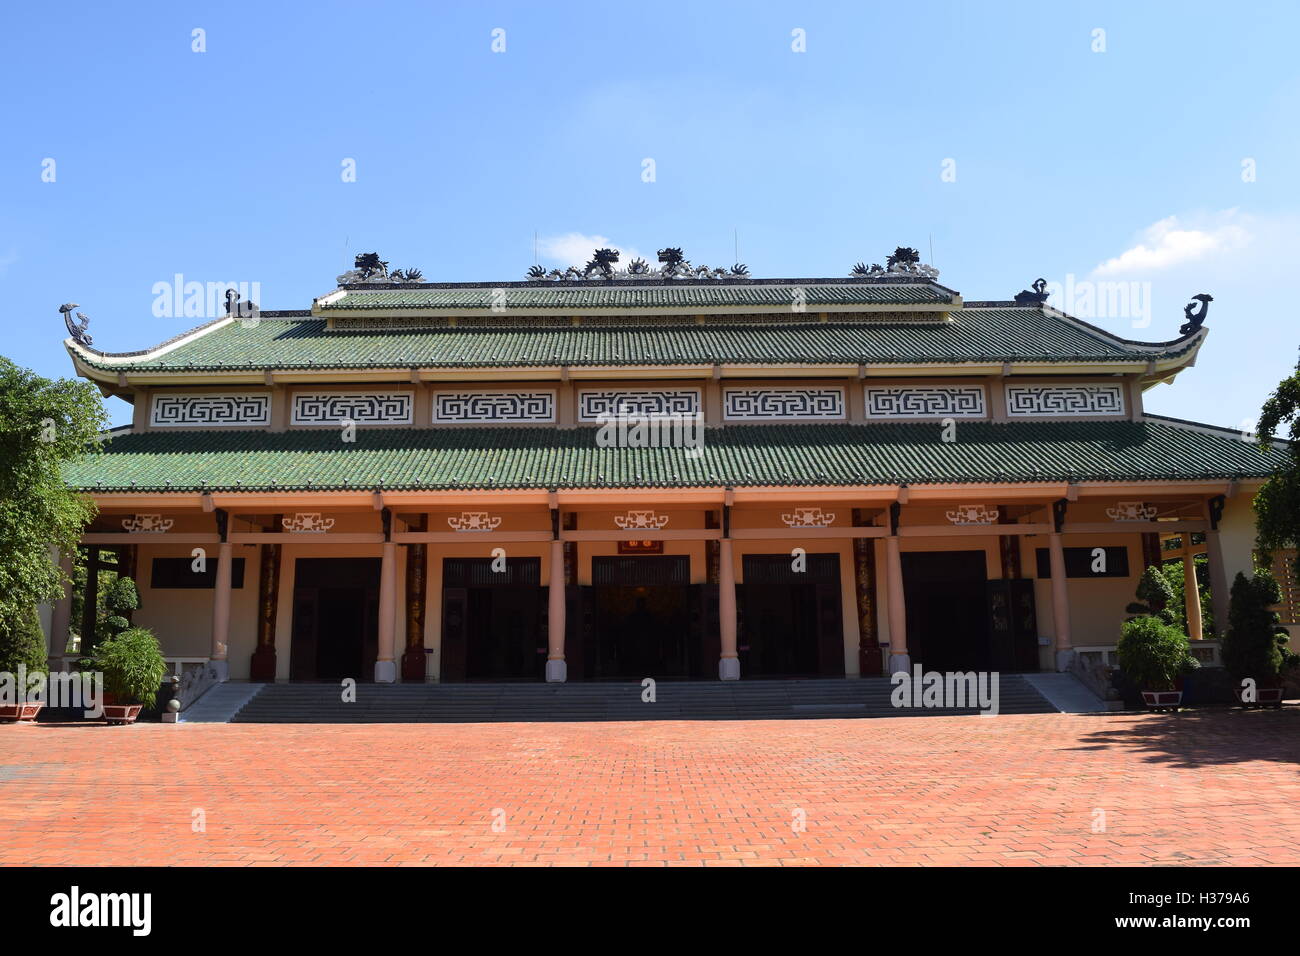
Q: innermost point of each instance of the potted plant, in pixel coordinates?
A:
(22, 652)
(133, 669)
(1254, 647)
(1154, 655)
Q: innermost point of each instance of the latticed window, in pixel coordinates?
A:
(1284, 569)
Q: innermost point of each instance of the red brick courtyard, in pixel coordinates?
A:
(1218, 788)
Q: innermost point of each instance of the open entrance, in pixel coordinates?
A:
(947, 609)
(642, 618)
(790, 622)
(335, 619)
(491, 620)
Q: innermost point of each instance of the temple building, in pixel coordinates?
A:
(653, 472)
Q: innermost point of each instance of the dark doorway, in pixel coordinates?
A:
(491, 620)
(790, 622)
(641, 623)
(1013, 625)
(335, 619)
(947, 609)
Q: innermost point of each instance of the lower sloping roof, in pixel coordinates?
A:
(735, 455)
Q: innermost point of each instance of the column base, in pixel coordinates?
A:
(385, 672)
(729, 668)
(1064, 659)
(900, 662)
(413, 665)
(221, 669)
(263, 664)
(557, 672)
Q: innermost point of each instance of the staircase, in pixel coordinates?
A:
(678, 700)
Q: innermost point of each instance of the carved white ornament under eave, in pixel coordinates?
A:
(809, 517)
(1132, 511)
(640, 520)
(148, 524)
(474, 521)
(972, 514)
(307, 522)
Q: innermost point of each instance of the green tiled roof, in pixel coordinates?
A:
(740, 456)
(660, 295)
(973, 335)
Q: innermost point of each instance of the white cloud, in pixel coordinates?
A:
(1170, 243)
(575, 249)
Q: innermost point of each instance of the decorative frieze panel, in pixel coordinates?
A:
(1131, 511)
(214, 409)
(925, 401)
(148, 523)
(641, 521)
(363, 408)
(474, 521)
(809, 517)
(972, 514)
(307, 522)
(1064, 401)
(782, 404)
(596, 403)
(464, 407)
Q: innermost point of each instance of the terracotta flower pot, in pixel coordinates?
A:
(1158, 699)
(20, 712)
(121, 713)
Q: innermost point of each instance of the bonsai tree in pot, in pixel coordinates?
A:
(1154, 655)
(1155, 597)
(1255, 647)
(22, 652)
(120, 599)
(133, 669)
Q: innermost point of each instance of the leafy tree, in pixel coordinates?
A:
(1155, 598)
(1277, 504)
(43, 423)
(1173, 571)
(1256, 644)
(22, 642)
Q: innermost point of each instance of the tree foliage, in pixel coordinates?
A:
(22, 642)
(1153, 654)
(43, 423)
(1255, 645)
(1277, 504)
(1155, 597)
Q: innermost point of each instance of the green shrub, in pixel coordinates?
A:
(22, 642)
(1255, 645)
(1153, 654)
(1155, 597)
(120, 599)
(133, 666)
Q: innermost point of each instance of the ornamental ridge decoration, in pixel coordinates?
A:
(674, 265)
(1132, 511)
(972, 514)
(640, 521)
(307, 522)
(147, 524)
(809, 517)
(474, 521)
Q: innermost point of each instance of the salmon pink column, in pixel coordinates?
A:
(557, 671)
(386, 661)
(729, 662)
(1060, 603)
(221, 612)
(899, 659)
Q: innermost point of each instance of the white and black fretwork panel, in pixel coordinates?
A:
(597, 403)
(782, 404)
(363, 408)
(925, 401)
(1064, 401)
(210, 410)
(459, 407)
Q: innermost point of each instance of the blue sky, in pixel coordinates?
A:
(1123, 166)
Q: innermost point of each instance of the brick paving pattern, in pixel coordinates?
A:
(1217, 787)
